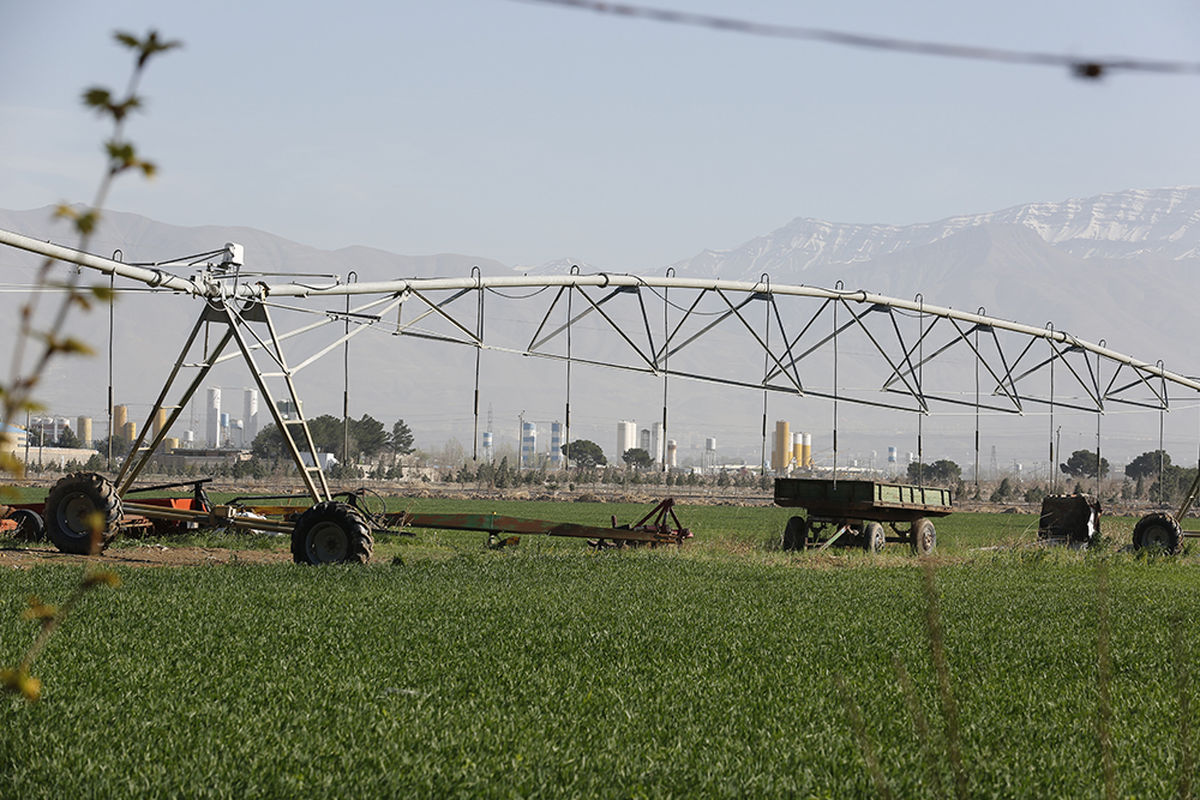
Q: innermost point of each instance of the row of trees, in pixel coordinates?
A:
(1081, 464)
(366, 436)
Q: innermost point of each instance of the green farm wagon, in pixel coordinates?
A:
(853, 513)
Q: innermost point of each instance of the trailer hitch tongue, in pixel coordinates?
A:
(661, 521)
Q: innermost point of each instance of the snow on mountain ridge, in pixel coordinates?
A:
(1164, 223)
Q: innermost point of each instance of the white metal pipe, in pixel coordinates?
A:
(263, 290)
(150, 277)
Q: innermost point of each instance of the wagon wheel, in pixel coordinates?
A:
(30, 527)
(874, 537)
(795, 535)
(1158, 531)
(922, 537)
(331, 533)
(82, 513)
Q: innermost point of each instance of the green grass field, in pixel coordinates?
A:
(549, 670)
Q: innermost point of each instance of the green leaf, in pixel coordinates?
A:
(102, 293)
(86, 223)
(97, 97)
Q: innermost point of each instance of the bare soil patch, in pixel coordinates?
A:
(152, 555)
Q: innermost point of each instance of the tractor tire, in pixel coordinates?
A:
(795, 535)
(30, 527)
(1159, 531)
(331, 533)
(923, 536)
(874, 537)
(83, 512)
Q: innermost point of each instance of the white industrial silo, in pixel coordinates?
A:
(657, 443)
(213, 428)
(626, 437)
(250, 413)
(672, 453)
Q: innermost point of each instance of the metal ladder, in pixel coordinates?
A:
(293, 429)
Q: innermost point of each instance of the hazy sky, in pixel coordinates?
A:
(528, 133)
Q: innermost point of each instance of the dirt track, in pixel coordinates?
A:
(141, 556)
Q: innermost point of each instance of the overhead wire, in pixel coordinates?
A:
(1087, 68)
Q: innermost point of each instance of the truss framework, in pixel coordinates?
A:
(908, 355)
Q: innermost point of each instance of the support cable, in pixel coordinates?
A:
(838, 287)
(920, 298)
(351, 277)
(567, 412)
(766, 368)
(476, 274)
(1053, 463)
(977, 359)
(666, 372)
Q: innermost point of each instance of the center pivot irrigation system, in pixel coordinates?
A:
(837, 345)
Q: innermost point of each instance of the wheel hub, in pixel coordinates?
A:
(76, 512)
(327, 543)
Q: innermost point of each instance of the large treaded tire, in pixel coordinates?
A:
(83, 512)
(874, 537)
(30, 526)
(795, 534)
(923, 536)
(331, 533)
(1160, 531)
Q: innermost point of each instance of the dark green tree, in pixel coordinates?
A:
(637, 457)
(584, 453)
(1175, 483)
(369, 435)
(67, 439)
(400, 441)
(504, 474)
(1147, 464)
(1082, 464)
(120, 446)
(942, 471)
(268, 443)
(1007, 490)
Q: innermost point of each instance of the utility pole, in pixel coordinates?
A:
(351, 277)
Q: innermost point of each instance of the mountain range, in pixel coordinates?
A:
(1119, 266)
